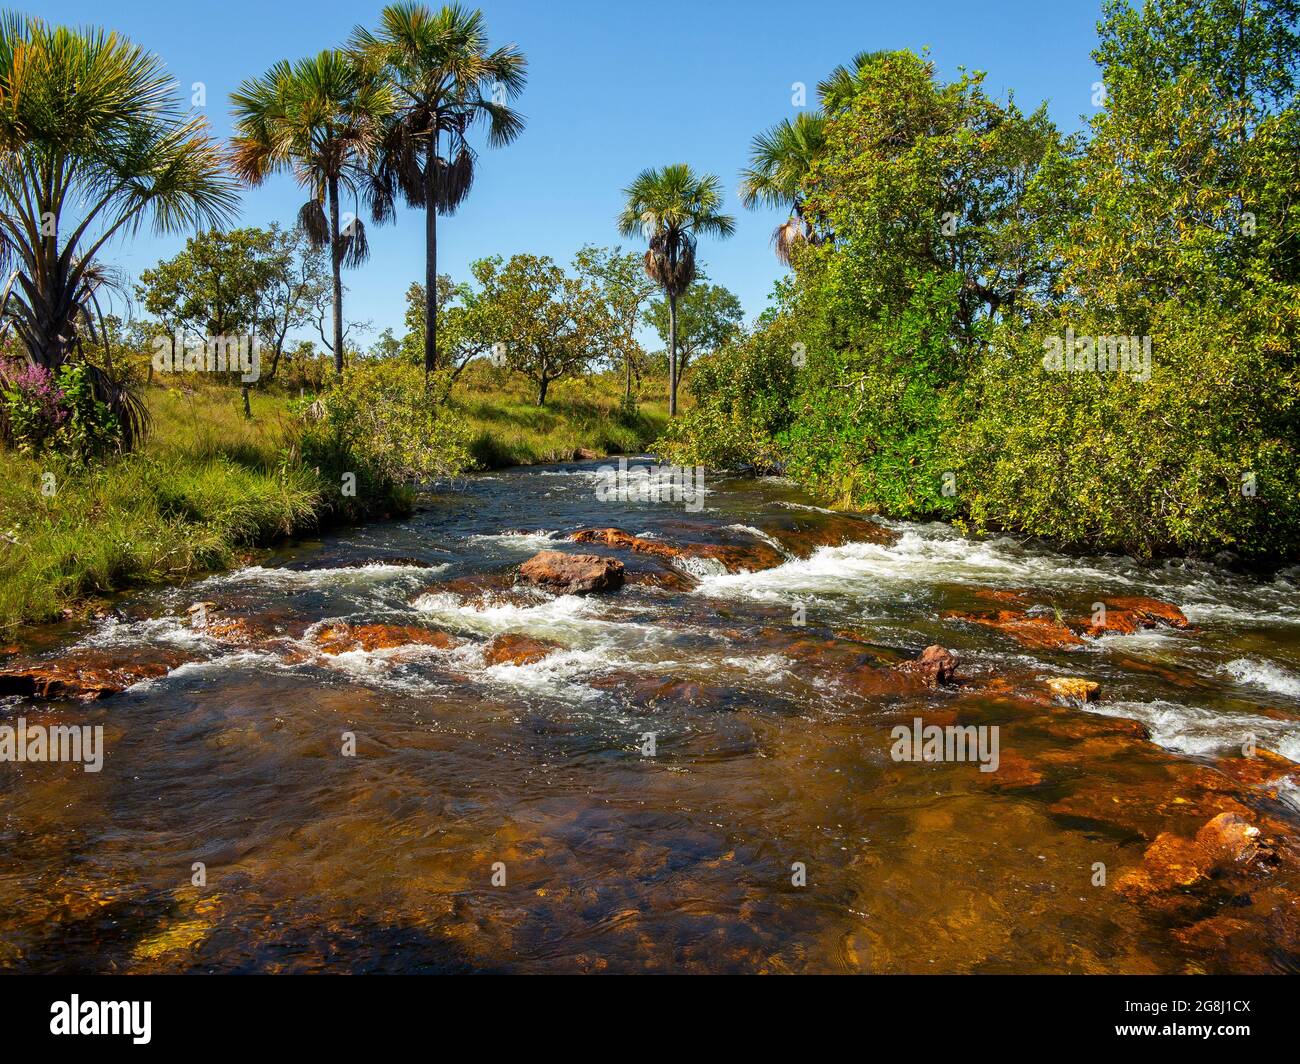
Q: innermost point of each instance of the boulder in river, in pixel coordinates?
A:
(1074, 688)
(1126, 615)
(936, 664)
(1226, 842)
(742, 555)
(618, 538)
(574, 574)
(802, 532)
(933, 668)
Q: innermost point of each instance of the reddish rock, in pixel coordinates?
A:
(1006, 598)
(477, 590)
(343, 638)
(574, 574)
(1228, 840)
(1260, 771)
(935, 664)
(1172, 862)
(618, 538)
(1072, 687)
(235, 631)
(87, 674)
(1039, 633)
(509, 649)
(1149, 609)
(752, 556)
(1014, 770)
(1127, 615)
(666, 577)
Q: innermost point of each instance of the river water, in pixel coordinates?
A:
(769, 830)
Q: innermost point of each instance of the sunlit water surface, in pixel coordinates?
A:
(616, 861)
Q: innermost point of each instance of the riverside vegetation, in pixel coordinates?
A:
(945, 243)
(571, 705)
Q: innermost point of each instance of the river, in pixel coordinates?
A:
(687, 781)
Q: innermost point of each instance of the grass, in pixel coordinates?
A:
(209, 484)
(581, 414)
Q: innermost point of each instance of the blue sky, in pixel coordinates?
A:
(613, 87)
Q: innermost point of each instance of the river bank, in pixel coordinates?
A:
(211, 486)
(389, 755)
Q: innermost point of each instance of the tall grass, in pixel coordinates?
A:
(210, 483)
(207, 484)
(583, 414)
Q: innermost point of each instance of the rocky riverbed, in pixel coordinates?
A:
(531, 730)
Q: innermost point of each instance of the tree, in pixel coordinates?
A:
(296, 284)
(549, 323)
(92, 145)
(779, 161)
(625, 288)
(463, 325)
(671, 208)
(213, 286)
(321, 118)
(708, 317)
(447, 80)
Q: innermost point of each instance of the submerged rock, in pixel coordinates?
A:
(513, 649)
(1036, 632)
(1172, 862)
(574, 574)
(342, 638)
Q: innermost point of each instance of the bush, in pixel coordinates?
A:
(58, 412)
(378, 423)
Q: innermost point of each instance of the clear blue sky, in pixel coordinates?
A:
(613, 87)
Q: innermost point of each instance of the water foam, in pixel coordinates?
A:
(1205, 732)
(1264, 674)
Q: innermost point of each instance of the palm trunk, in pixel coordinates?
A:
(672, 354)
(430, 262)
(336, 265)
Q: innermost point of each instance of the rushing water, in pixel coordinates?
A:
(614, 860)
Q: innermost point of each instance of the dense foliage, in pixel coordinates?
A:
(1089, 339)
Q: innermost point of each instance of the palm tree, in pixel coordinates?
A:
(838, 89)
(671, 208)
(321, 118)
(92, 145)
(779, 160)
(446, 80)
